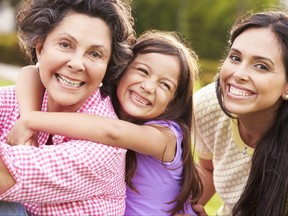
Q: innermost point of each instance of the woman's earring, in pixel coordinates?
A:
(37, 66)
(101, 84)
(285, 96)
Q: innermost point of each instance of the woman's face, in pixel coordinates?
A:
(252, 77)
(148, 85)
(73, 60)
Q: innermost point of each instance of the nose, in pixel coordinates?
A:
(148, 86)
(76, 63)
(241, 73)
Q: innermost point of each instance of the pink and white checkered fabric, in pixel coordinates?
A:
(70, 177)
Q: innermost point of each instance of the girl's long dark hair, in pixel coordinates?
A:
(266, 190)
(179, 110)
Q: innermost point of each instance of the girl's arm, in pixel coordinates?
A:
(146, 139)
(29, 89)
(29, 92)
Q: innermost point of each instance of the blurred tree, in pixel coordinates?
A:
(11, 2)
(205, 23)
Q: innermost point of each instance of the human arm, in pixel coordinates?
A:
(29, 92)
(146, 139)
(7, 180)
(74, 170)
(67, 171)
(205, 168)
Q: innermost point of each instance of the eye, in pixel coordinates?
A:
(262, 67)
(165, 85)
(65, 44)
(95, 54)
(142, 71)
(235, 58)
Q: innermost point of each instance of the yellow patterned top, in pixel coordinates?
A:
(218, 139)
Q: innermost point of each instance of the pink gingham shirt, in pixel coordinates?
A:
(70, 177)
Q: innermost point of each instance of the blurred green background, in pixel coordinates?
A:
(204, 23)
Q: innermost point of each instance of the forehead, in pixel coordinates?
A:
(84, 28)
(166, 66)
(260, 42)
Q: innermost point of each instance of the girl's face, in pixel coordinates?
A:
(73, 60)
(252, 77)
(148, 85)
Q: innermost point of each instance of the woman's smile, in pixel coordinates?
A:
(68, 82)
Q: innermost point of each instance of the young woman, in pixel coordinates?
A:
(154, 97)
(66, 176)
(243, 140)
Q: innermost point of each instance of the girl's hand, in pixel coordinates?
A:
(20, 134)
(199, 209)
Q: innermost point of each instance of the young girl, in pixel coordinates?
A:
(154, 97)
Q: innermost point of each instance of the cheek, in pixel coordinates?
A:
(122, 85)
(97, 74)
(224, 68)
(226, 71)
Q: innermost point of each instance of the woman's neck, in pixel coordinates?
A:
(252, 129)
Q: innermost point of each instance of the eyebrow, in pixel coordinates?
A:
(74, 39)
(256, 57)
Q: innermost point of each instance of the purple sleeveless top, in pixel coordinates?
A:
(157, 182)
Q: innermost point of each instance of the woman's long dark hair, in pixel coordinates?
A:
(266, 190)
(179, 109)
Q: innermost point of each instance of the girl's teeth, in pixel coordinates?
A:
(68, 82)
(139, 99)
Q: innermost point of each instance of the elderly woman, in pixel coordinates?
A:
(78, 45)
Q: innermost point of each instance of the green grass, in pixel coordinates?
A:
(6, 82)
(213, 205)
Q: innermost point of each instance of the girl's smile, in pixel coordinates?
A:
(148, 85)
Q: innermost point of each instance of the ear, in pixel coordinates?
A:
(285, 92)
(38, 49)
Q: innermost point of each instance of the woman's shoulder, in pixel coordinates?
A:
(205, 100)
(207, 110)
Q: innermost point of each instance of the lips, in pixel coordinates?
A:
(67, 82)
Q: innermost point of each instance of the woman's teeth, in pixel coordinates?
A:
(239, 92)
(70, 83)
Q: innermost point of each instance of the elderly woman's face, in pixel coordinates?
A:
(73, 60)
